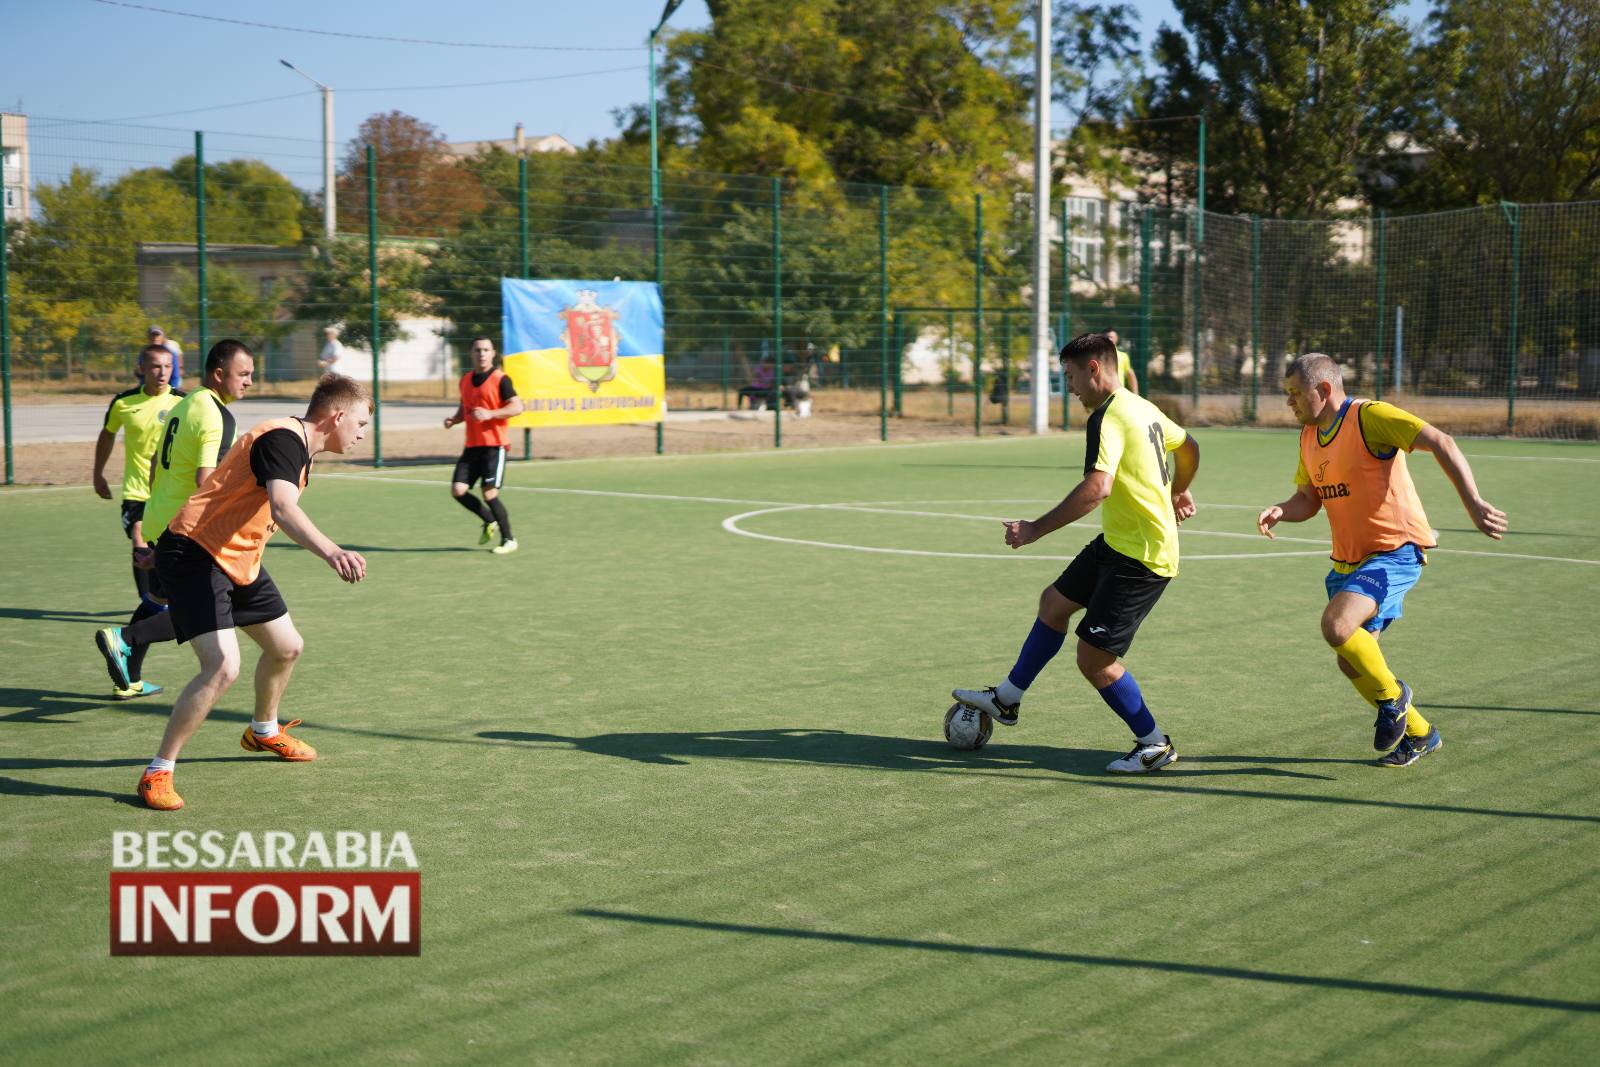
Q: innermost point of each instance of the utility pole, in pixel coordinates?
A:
(1041, 221)
(328, 212)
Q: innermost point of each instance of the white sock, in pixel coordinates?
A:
(159, 764)
(1008, 693)
(264, 729)
(1154, 737)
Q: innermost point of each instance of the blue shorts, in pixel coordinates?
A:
(1385, 578)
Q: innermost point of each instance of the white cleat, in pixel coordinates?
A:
(505, 548)
(1145, 758)
(987, 700)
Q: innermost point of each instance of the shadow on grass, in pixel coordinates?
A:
(836, 748)
(1430, 705)
(42, 705)
(865, 750)
(1242, 974)
(290, 546)
(15, 787)
(59, 615)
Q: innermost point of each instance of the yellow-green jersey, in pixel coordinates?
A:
(198, 434)
(1125, 369)
(140, 417)
(1130, 439)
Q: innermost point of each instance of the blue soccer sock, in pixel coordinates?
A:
(1040, 648)
(1124, 698)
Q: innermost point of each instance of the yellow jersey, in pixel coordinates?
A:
(198, 433)
(1130, 439)
(140, 417)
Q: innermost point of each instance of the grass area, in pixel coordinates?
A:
(679, 795)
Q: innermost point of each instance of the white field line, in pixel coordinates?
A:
(1531, 459)
(767, 506)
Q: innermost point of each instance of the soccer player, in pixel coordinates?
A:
(209, 560)
(197, 435)
(1130, 380)
(487, 401)
(1353, 466)
(1139, 464)
(140, 414)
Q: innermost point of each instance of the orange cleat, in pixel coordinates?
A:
(155, 788)
(279, 744)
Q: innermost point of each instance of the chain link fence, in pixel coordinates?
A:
(872, 303)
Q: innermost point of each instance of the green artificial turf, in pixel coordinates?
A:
(680, 795)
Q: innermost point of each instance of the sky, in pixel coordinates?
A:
(98, 60)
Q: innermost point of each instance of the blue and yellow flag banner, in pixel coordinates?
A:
(584, 353)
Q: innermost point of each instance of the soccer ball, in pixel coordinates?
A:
(967, 728)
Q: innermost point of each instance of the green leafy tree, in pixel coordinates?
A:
(1515, 113)
(235, 307)
(900, 92)
(1302, 93)
(336, 288)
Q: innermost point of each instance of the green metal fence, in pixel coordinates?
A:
(886, 302)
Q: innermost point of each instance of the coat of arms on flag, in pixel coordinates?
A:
(590, 337)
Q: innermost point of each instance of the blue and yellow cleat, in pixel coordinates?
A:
(135, 691)
(1410, 749)
(1390, 726)
(109, 642)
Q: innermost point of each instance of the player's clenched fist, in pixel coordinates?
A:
(1268, 519)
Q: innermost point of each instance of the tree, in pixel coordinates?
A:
(1302, 93)
(336, 289)
(1516, 110)
(900, 92)
(423, 189)
(234, 308)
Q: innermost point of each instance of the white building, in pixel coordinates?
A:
(518, 144)
(14, 166)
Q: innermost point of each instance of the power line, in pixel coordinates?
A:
(475, 85)
(362, 36)
(189, 111)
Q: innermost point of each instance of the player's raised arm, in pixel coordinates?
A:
(1490, 520)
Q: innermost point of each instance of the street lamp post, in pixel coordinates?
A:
(327, 149)
(655, 156)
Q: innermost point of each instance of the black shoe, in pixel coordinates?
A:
(1391, 724)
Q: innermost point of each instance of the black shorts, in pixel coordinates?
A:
(1117, 590)
(203, 599)
(132, 512)
(485, 462)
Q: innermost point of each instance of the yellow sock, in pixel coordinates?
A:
(1361, 651)
(1367, 689)
(1416, 725)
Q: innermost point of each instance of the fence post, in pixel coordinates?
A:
(1066, 309)
(977, 333)
(661, 270)
(5, 332)
(1514, 216)
(522, 262)
(950, 364)
(1255, 316)
(200, 240)
(372, 287)
(883, 307)
(727, 345)
(777, 312)
(1145, 297)
(1005, 367)
(1194, 340)
(1383, 233)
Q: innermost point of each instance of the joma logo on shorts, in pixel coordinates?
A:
(1327, 492)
